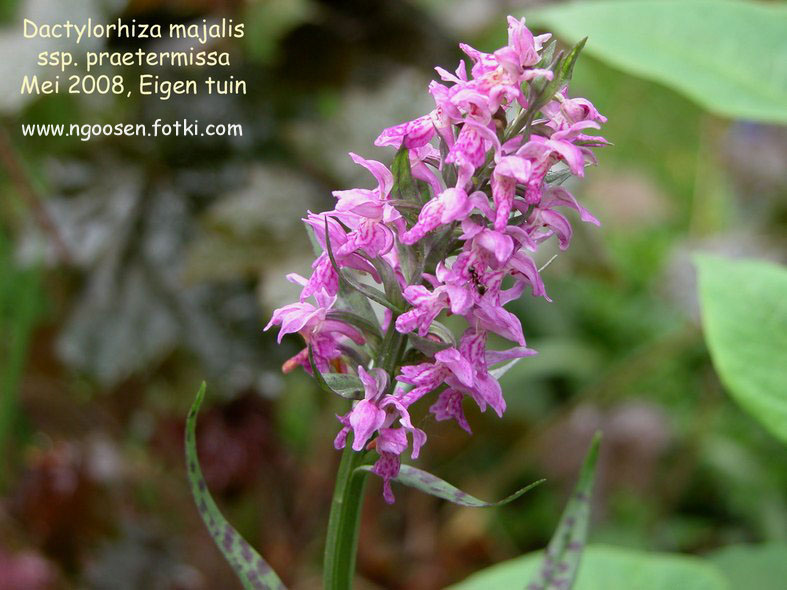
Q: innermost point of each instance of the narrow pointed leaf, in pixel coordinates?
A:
(442, 246)
(434, 486)
(368, 291)
(407, 261)
(448, 170)
(390, 283)
(426, 345)
(442, 332)
(349, 298)
(547, 55)
(253, 571)
(430, 346)
(560, 563)
(562, 76)
(503, 369)
(404, 186)
(567, 65)
(369, 329)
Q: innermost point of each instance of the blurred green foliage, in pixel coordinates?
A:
(21, 307)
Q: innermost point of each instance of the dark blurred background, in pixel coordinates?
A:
(133, 268)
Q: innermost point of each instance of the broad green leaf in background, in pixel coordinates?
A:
(253, 571)
(609, 568)
(744, 316)
(753, 567)
(434, 486)
(728, 56)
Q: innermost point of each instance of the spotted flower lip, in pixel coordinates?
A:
(452, 228)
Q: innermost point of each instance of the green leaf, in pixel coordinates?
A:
(393, 290)
(727, 56)
(544, 89)
(253, 571)
(369, 329)
(353, 296)
(351, 300)
(560, 564)
(608, 568)
(404, 186)
(498, 372)
(434, 486)
(547, 55)
(566, 67)
(744, 315)
(426, 345)
(407, 260)
(753, 567)
(368, 291)
(346, 386)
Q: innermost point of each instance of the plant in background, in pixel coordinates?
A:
(450, 229)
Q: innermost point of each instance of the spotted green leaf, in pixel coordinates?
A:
(560, 563)
(434, 486)
(253, 571)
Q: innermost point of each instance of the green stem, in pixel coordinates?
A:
(344, 522)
